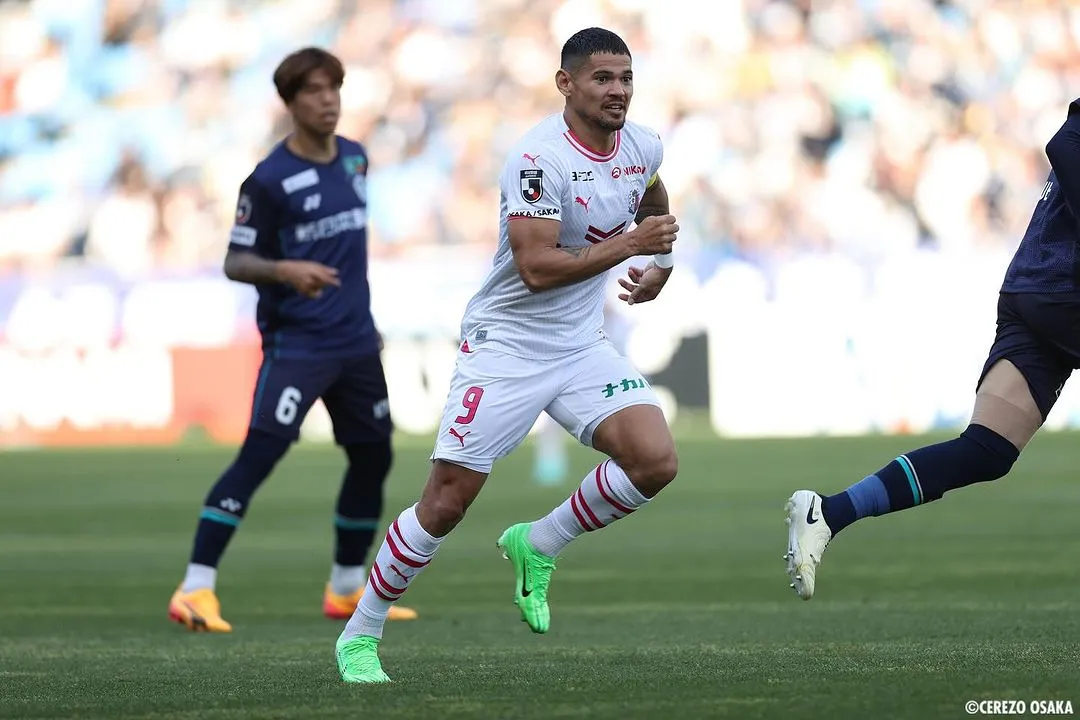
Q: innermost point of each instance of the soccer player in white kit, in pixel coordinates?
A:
(533, 340)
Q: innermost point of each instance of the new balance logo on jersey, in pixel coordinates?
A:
(1047, 189)
(595, 234)
(625, 385)
(459, 436)
(583, 203)
(312, 202)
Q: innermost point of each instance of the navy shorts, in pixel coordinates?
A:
(353, 391)
(1040, 335)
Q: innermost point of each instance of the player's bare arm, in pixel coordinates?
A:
(309, 278)
(654, 202)
(544, 265)
(644, 284)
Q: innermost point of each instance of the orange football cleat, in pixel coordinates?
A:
(198, 610)
(340, 607)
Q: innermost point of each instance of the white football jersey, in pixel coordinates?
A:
(552, 174)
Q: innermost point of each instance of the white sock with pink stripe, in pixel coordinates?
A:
(605, 495)
(406, 550)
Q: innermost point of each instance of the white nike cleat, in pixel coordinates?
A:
(808, 536)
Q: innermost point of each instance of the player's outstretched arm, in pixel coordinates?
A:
(544, 265)
(1063, 152)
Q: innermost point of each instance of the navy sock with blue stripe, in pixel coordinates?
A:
(360, 502)
(922, 476)
(228, 500)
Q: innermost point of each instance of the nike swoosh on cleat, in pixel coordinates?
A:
(525, 591)
(197, 620)
(810, 513)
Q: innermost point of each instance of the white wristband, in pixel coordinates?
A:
(664, 260)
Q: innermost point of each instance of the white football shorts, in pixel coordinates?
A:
(495, 399)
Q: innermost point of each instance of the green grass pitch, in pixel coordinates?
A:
(681, 611)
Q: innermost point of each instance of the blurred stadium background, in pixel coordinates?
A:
(842, 169)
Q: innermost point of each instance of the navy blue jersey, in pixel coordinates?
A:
(1047, 260)
(294, 209)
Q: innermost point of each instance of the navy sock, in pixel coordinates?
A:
(360, 502)
(228, 500)
(922, 476)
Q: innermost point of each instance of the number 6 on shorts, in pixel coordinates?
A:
(470, 402)
(287, 406)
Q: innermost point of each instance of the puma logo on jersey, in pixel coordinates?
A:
(459, 436)
(531, 158)
(583, 203)
(595, 234)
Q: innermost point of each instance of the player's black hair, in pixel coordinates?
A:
(588, 42)
(294, 70)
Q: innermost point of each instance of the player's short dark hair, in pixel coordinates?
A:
(588, 42)
(294, 70)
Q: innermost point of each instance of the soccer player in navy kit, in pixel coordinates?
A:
(1036, 348)
(300, 238)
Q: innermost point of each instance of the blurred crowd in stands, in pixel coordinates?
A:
(859, 127)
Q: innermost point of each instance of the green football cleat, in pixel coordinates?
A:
(533, 570)
(358, 660)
